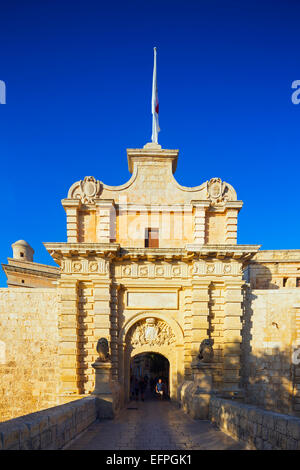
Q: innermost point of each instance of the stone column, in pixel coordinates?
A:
(233, 312)
(200, 314)
(68, 337)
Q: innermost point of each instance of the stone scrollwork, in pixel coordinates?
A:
(151, 331)
(87, 190)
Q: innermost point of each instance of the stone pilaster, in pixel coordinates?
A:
(200, 314)
(72, 207)
(199, 221)
(106, 220)
(187, 333)
(86, 339)
(231, 227)
(232, 327)
(68, 322)
(114, 332)
(102, 309)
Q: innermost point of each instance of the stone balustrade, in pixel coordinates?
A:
(48, 429)
(258, 428)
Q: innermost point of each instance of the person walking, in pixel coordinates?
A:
(160, 389)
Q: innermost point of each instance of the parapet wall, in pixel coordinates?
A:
(49, 429)
(258, 428)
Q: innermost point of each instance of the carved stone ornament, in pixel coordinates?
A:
(86, 190)
(151, 332)
(102, 349)
(90, 188)
(217, 190)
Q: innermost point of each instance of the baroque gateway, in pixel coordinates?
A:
(153, 267)
(150, 250)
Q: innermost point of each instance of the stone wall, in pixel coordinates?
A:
(271, 334)
(28, 350)
(49, 429)
(259, 429)
(274, 269)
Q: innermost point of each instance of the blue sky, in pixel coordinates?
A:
(79, 76)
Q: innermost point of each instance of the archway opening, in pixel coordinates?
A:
(145, 371)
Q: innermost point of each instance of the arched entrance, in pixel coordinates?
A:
(151, 332)
(148, 367)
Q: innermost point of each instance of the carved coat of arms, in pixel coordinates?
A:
(89, 189)
(151, 332)
(216, 190)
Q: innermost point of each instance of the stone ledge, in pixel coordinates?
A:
(48, 429)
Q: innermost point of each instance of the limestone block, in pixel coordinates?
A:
(232, 323)
(232, 336)
(232, 309)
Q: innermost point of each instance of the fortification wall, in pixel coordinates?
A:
(271, 334)
(28, 350)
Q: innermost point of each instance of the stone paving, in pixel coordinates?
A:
(153, 425)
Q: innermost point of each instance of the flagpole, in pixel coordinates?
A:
(154, 104)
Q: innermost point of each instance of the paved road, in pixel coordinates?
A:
(153, 425)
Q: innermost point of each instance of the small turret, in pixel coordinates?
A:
(22, 250)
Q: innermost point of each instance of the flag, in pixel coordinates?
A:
(155, 104)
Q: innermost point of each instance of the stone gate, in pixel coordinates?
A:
(153, 267)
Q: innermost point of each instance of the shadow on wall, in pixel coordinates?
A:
(263, 277)
(269, 377)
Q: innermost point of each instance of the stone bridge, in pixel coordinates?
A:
(151, 425)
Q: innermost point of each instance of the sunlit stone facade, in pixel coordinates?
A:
(150, 249)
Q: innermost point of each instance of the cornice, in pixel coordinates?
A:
(114, 250)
